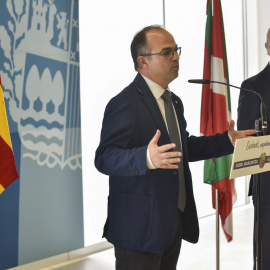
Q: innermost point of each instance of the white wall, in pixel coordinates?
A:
(258, 23)
(264, 24)
(252, 39)
(106, 30)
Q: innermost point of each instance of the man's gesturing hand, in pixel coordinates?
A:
(239, 134)
(160, 157)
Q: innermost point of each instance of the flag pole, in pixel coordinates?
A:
(217, 233)
(164, 18)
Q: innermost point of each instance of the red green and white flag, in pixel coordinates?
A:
(8, 170)
(216, 113)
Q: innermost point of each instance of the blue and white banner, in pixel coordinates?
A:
(41, 214)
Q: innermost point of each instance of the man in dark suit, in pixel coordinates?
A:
(248, 112)
(151, 206)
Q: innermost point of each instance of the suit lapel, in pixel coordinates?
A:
(181, 120)
(152, 106)
(178, 113)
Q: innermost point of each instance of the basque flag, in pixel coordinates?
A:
(216, 113)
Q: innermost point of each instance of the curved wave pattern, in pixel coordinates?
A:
(42, 138)
(51, 161)
(36, 132)
(42, 123)
(74, 162)
(42, 115)
(43, 148)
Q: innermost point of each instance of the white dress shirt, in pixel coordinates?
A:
(158, 91)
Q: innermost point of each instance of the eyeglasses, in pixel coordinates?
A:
(169, 54)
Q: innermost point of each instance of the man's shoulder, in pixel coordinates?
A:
(257, 78)
(251, 79)
(127, 92)
(251, 83)
(127, 95)
(137, 86)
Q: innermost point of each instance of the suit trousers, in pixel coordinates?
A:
(127, 259)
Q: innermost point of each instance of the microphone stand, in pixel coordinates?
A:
(261, 130)
(261, 123)
(258, 220)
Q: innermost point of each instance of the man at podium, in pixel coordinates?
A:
(151, 207)
(248, 112)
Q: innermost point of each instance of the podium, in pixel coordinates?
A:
(252, 156)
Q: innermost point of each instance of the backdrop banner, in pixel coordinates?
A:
(41, 212)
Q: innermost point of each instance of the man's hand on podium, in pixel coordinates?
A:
(242, 134)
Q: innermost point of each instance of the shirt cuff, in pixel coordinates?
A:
(149, 163)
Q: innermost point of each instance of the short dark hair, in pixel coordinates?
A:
(139, 45)
(267, 36)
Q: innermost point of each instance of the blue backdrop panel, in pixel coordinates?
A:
(42, 213)
(9, 218)
(51, 211)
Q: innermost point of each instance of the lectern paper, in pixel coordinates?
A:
(251, 156)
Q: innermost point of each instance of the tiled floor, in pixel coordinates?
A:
(236, 255)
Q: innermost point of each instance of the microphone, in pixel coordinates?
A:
(262, 106)
(199, 81)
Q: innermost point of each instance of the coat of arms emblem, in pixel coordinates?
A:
(262, 160)
(39, 50)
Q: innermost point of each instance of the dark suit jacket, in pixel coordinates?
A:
(142, 204)
(249, 111)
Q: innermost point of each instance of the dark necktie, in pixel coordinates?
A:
(175, 138)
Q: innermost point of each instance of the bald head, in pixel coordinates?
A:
(139, 45)
(158, 60)
(267, 44)
(268, 38)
